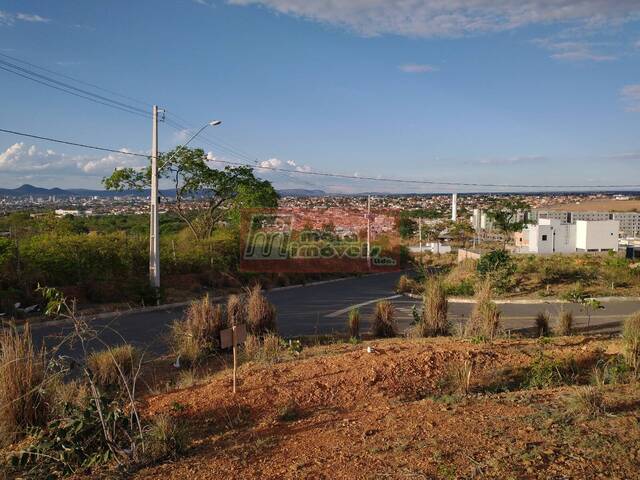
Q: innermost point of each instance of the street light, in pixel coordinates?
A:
(154, 233)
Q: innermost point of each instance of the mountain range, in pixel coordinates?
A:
(27, 190)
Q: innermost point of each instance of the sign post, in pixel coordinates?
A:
(232, 337)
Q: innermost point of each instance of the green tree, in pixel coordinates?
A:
(223, 192)
(407, 227)
(505, 216)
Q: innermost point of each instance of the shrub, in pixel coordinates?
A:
(235, 310)
(587, 400)
(565, 323)
(384, 323)
(462, 289)
(198, 334)
(164, 438)
(261, 315)
(498, 267)
(110, 367)
(269, 349)
(542, 324)
(434, 312)
(544, 372)
(23, 375)
(631, 339)
(458, 378)
(485, 316)
(353, 323)
(405, 284)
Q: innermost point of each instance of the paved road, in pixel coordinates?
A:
(323, 308)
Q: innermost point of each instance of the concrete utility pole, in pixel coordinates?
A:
(420, 232)
(154, 229)
(454, 207)
(369, 232)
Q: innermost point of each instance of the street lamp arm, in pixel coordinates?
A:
(213, 123)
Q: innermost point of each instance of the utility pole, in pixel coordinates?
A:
(154, 230)
(369, 232)
(420, 233)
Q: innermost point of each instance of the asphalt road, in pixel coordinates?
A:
(323, 308)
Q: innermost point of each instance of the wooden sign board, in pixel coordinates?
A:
(228, 339)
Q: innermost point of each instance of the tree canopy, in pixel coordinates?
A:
(223, 191)
(505, 216)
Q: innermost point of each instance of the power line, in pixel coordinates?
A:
(77, 80)
(65, 142)
(70, 89)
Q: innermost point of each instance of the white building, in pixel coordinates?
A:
(597, 236)
(629, 221)
(555, 236)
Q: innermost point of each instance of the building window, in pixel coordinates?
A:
(544, 238)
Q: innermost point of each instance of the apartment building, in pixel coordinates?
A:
(551, 235)
(629, 221)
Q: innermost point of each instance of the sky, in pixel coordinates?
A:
(539, 92)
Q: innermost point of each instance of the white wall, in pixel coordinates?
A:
(551, 236)
(596, 236)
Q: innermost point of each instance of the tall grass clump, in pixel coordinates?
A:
(353, 323)
(198, 333)
(384, 322)
(587, 400)
(23, 375)
(114, 365)
(433, 320)
(631, 339)
(405, 284)
(235, 310)
(542, 324)
(261, 314)
(485, 316)
(565, 323)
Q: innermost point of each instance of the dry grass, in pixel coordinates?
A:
(485, 316)
(267, 349)
(631, 339)
(23, 396)
(261, 315)
(198, 334)
(353, 323)
(458, 378)
(108, 367)
(164, 438)
(587, 400)
(565, 323)
(464, 271)
(384, 322)
(542, 324)
(235, 310)
(405, 285)
(434, 311)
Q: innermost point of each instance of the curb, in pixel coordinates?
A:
(530, 301)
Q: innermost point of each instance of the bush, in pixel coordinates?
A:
(498, 267)
(542, 324)
(565, 323)
(261, 315)
(198, 334)
(631, 339)
(485, 316)
(587, 400)
(353, 323)
(235, 310)
(110, 367)
(384, 323)
(405, 284)
(164, 438)
(462, 289)
(434, 312)
(24, 398)
(544, 372)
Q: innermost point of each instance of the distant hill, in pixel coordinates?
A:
(27, 190)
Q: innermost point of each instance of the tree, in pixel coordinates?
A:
(223, 192)
(407, 227)
(461, 231)
(504, 214)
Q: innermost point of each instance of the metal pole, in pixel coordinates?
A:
(420, 233)
(154, 228)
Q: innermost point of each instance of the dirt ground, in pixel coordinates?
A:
(341, 412)
(604, 205)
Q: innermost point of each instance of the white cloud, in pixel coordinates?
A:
(631, 97)
(272, 163)
(575, 51)
(451, 18)
(517, 160)
(21, 158)
(417, 68)
(8, 18)
(623, 157)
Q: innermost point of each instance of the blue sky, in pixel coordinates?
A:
(543, 92)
